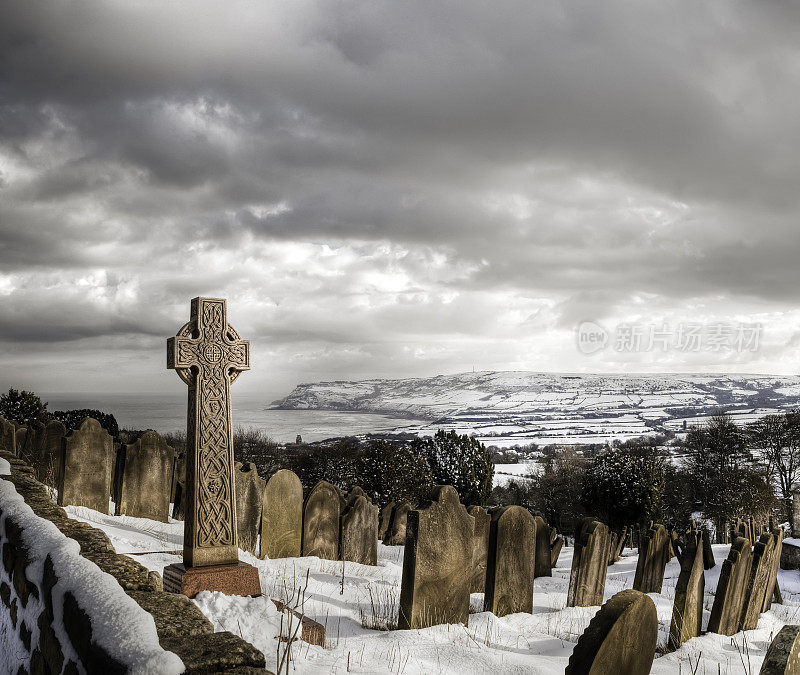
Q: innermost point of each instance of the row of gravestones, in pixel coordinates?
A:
(506, 548)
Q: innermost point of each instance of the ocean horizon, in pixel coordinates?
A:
(166, 413)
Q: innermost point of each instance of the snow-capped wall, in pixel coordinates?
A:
(69, 603)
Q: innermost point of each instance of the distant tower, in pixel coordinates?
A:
(298, 440)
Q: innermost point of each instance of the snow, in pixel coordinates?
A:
(5, 467)
(521, 643)
(510, 408)
(122, 628)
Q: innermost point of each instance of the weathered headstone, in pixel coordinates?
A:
(48, 453)
(144, 478)
(587, 579)
(511, 561)
(85, 467)
(321, 515)
(480, 547)
(249, 499)
(654, 554)
(555, 551)
(761, 570)
(731, 589)
(620, 639)
(772, 587)
(20, 436)
(8, 436)
(783, 655)
(438, 552)
(397, 527)
(708, 552)
(542, 558)
(687, 607)
(282, 516)
(208, 355)
(385, 521)
(359, 533)
(31, 448)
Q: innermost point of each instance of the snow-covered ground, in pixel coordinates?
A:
(521, 643)
(519, 408)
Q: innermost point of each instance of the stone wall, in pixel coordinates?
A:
(62, 611)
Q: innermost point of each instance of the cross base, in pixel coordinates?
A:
(234, 579)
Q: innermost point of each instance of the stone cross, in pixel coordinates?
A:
(208, 356)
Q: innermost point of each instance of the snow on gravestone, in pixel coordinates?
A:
(397, 527)
(761, 569)
(321, 522)
(85, 469)
(587, 579)
(654, 554)
(480, 547)
(783, 655)
(726, 611)
(249, 497)
(282, 516)
(543, 567)
(144, 478)
(687, 608)
(359, 534)
(511, 564)
(621, 638)
(434, 588)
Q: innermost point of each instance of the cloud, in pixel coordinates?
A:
(394, 188)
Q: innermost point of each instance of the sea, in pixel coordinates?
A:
(167, 413)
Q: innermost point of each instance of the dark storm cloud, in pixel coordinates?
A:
(427, 171)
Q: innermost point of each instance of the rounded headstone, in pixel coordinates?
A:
(282, 516)
(783, 655)
(621, 638)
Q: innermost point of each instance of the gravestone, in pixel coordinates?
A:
(480, 547)
(555, 551)
(282, 516)
(587, 579)
(321, 515)
(8, 436)
(31, 448)
(620, 639)
(783, 655)
(249, 499)
(85, 467)
(772, 587)
(359, 533)
(726, 611)
(352, 495)
(20, 436)
(761, 569)
(687, 607)
(144, 478)
(48, 453)
(654, 554)
(385, 521)
(438, 553)
(708, 552)
(542, 557)
(511, 561)
(397, 527)
(178, 476)
(208, 355)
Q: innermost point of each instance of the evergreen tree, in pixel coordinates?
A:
(392, 472)
(72, 419)
(23, 407)
(460, 461)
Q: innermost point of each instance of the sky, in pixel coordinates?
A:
(395, 189)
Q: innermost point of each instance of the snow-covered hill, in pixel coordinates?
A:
(524, 406)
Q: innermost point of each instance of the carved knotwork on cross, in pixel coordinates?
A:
(209, 355)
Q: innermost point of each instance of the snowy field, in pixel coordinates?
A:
(520, 643)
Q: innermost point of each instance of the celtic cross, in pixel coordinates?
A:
(209, 355)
